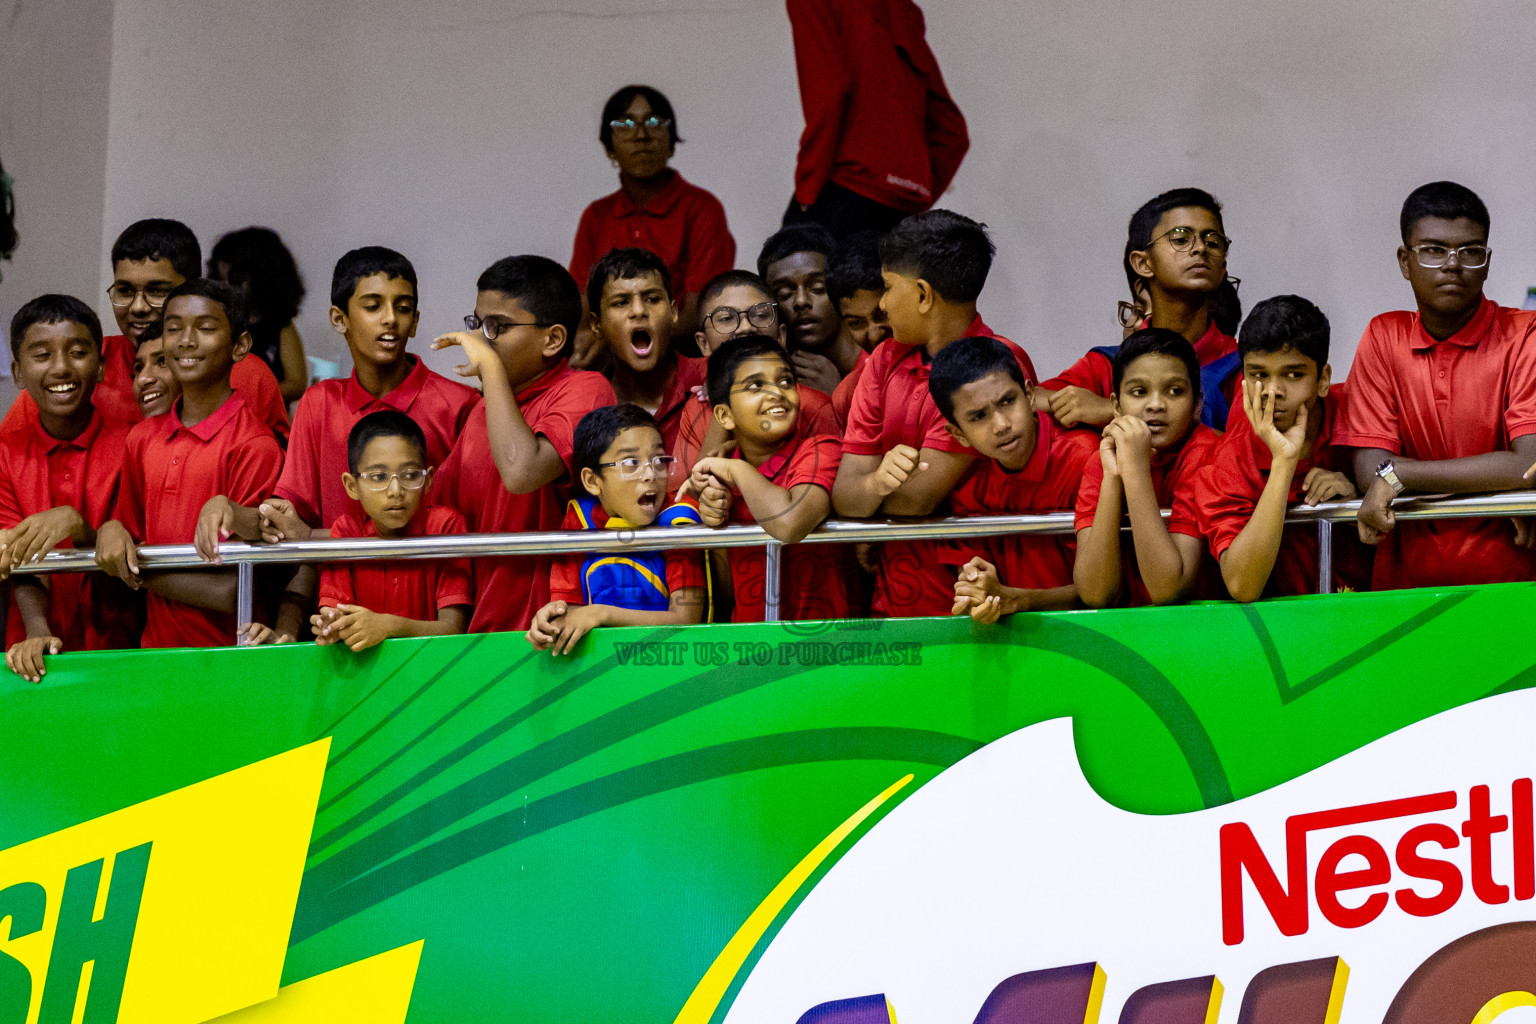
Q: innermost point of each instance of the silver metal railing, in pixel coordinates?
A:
(245, 557)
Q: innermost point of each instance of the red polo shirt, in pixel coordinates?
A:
(114, 399)
(683, 224)
(1473, 393)
(414, 589)
(685, 568)
(812, 580)
(1048, 483)
(696, 416)
(879, 120)
(892, 406)
(1173, 481)
(169, 473)
(509, 590)
(1227, 489)
(88, 611)
(842, 396)
(1096, 372)
(317, 452)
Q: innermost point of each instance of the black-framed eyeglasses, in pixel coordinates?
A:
(632, 467)
(762, 316)
(1432, 257)
(628, 125)
(1183, 239)
(122, 294)
(492, 329)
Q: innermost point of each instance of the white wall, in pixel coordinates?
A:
(462, 130)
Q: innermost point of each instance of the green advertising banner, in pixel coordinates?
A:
(490, 834)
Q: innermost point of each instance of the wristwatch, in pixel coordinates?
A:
(1388, 473)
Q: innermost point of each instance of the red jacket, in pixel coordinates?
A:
(878, 119)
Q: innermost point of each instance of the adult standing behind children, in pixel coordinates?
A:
(1443, 398)
(654, 208)
(882, 137)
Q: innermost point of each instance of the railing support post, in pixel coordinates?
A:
(772, 576)
(1324, 556)
(245, 595)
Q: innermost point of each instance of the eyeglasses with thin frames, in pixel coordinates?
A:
(122, 295)
(1182, 239)
(493, 329)
(762, 316)
(631, 468)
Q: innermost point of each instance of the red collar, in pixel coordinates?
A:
(210, 426)
(543, 382)
(1468, 337)
(660, 205)
(1262, 459)
(401, 399)
(775, 463)
(87, 437)
(686, 372)
(1040, 459)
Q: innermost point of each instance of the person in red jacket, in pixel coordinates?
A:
(882, 137)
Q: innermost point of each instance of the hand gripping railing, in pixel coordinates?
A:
(835, 531)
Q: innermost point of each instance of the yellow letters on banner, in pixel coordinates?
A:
(372, 991)
(200, 884)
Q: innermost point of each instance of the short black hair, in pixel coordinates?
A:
(232, 301)
(160, 239)
(599, 427)
(259, 263)
(383, 423)
(795, 238)
(854, 266)
(543, 287)
(1444, 199)
(619, 102)
(952, 252)
(1226, 306)
(152, 332)
(365, 262)
(720, 375)
(1157, 341)
(964, 362)
(54, 309)
(624, 265)
(731, 279)
(1138, 234)
(1286, 321)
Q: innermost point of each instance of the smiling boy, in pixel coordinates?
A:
(58, 484)
(510, 470)
(1027, 465)
(209, 445)
(623, 466)
(630, 295)
(1443, 399)
(154, 385)
(365, 603)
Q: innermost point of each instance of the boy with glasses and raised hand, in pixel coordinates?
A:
(1443, 399)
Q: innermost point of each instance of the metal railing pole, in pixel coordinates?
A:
(245, 596)
(772, 580)
(1324, 556)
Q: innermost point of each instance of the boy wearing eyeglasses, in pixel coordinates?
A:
(623, 469)
(512, 466)
(387, 475)
(1443, 399)
(149, 259)
(1176, 265)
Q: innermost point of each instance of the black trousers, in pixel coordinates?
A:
(844, 212)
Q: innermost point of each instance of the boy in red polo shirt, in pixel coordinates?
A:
(898, 458)
(209, 445)
(149, 259)
(634, 315)
(1443, 398)
(1281, 452)
(1027, 465)
(623, 470)
(1176, 265)
(510, 469)
(1148, 459)
(58, 483)
(365, 603)
(855, 286)
(793, 262)
(781, 477)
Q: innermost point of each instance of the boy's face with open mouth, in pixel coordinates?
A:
(637, 318)
(632, 488)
